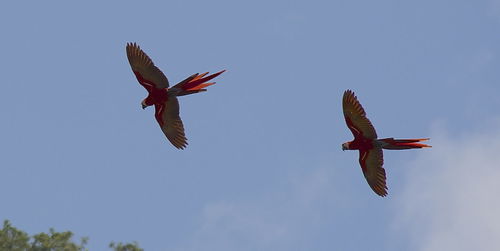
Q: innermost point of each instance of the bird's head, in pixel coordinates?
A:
(144, 104)
(345, 146)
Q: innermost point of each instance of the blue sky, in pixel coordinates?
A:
(264, 169)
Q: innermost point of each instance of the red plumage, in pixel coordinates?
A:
(161, 96)
(370, 147)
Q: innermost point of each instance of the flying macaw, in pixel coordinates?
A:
(161, 96)
(370, 148)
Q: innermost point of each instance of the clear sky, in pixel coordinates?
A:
(264, 168)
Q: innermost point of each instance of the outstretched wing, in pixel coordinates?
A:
(144, 69)
(371, 162)
(167, 115)
(355, 117)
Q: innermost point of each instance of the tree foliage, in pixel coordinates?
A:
(13, 239)
(125, 247)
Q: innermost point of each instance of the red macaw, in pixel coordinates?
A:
(370, 148)
(161, 96)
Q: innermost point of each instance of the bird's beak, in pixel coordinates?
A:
(144, 107)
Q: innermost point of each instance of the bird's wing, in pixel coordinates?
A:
(371, 162)
(355, 117)
(144, 69)
(167, 115)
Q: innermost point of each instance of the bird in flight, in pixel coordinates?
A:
(161, 96)
(370, 147)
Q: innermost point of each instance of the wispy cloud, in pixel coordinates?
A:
(280, 220)
(451, 200)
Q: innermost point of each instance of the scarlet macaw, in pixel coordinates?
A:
(370, 148)
(161, 96)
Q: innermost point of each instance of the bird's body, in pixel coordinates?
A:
(387, 143)
(369, 146)
(161, 96)
(156, 96)
(361, 144)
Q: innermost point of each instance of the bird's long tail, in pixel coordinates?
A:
(400, 144)
(195, 83)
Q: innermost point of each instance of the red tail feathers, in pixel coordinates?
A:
(196, 83)
(400, 144)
